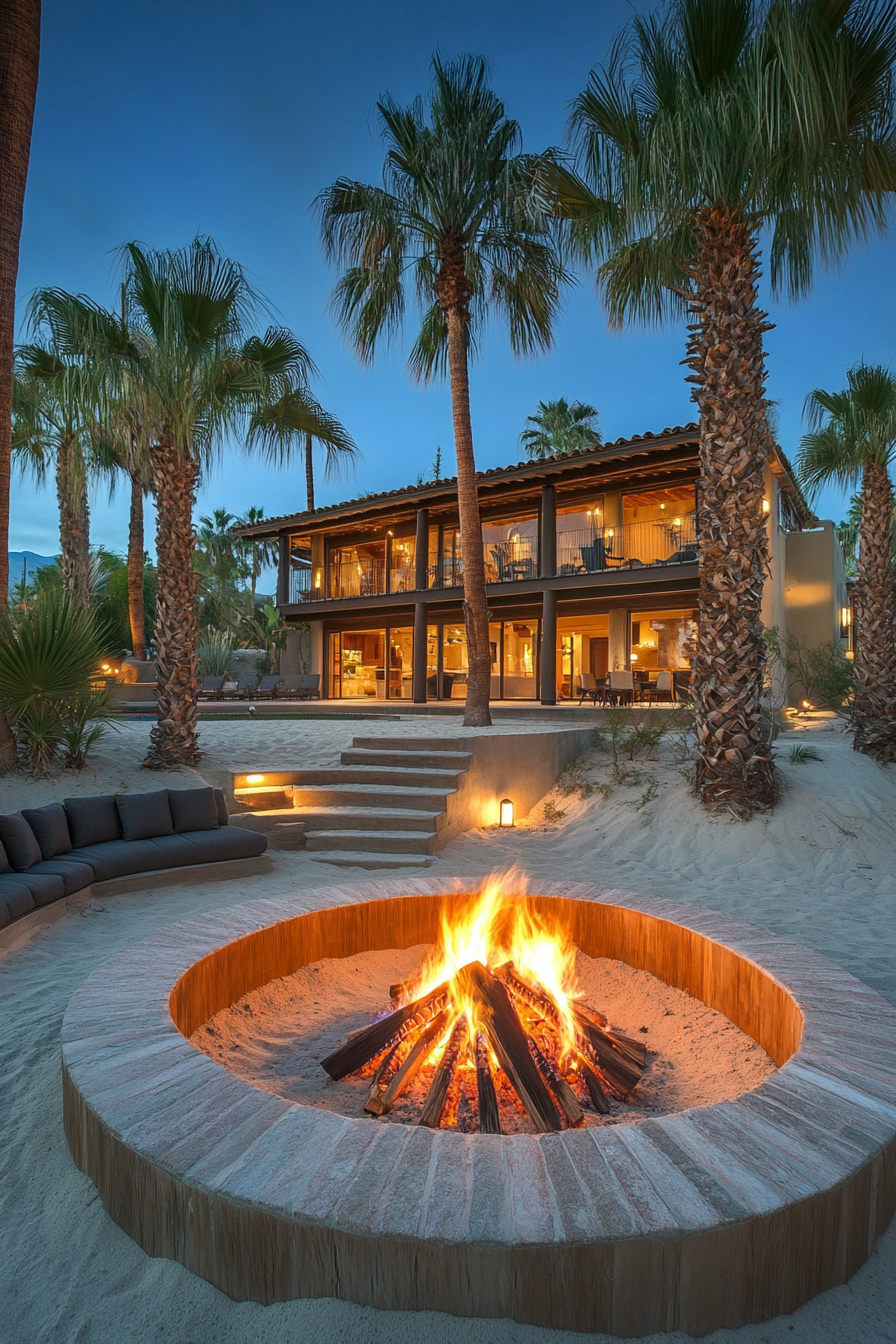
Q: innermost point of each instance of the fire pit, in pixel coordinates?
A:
(710, 1217)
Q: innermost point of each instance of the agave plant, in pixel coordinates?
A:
(215, 650)
(47, 682)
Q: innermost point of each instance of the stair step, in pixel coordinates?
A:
(369, 795)
(317, 818)
(374, 774)
(464, 744)
(417, 760)
(389, 842)
(364, 859)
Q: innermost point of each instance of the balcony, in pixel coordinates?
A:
(628, 546)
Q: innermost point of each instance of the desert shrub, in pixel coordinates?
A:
(551, 812)
(822, 670)
(800, 754)
(573, 781)
(630, 733)
(215, 649)
(48, 684)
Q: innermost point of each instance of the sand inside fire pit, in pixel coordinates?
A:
(275, 1037)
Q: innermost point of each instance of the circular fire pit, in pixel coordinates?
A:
(715, 1216)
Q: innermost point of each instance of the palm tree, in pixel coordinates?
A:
(852, 437)
(193, 376)
(460, 210)
(560, 427)
(294, 424)
(259, 554)
(19, 60)
(714, 122)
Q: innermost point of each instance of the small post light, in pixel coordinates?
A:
(506, 806)
(255, 779)
(766, 506)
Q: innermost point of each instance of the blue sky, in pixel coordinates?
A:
(162, 120)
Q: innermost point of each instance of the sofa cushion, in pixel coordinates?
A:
(15, 898)
(221, 805)
(76, 874)
(45, 887)
(227, 842)
(92, 821)
(144, 815)
(20, 843)
(5, 865)
(193, 809)
(119, 858)
(50, 827)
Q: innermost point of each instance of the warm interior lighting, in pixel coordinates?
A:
(676, 522)
(662, 506)
(317, 578)
(610, 532)
(506, 807)
(255, 779)
(633, 657)
(766, 506)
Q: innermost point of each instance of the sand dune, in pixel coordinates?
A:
(821, 869)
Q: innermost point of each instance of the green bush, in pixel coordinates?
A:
(823, 670)
(215, 649)
(48, 686)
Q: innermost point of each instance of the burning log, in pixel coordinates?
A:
(566, 1098)
(384, 1072)
(410, 1066)
(431, 1115)
(489, 1114)
(383, 1035)
(592, 1080)
(617, 1068)
(508, 1040)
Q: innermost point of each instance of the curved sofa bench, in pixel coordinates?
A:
(49, 853)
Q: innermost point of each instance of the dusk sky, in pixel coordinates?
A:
(159, 121)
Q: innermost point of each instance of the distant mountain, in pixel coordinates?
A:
(27, 562)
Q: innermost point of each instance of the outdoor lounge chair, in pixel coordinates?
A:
(594, 557)
(230, 688)
(245, 688)
(211, 688)
(290, 687)
(267, 687)
(309, 686)
(590, 688)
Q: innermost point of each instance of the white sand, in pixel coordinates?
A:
(821, 869)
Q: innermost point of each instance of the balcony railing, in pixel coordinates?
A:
(587, 551)
(628, 546)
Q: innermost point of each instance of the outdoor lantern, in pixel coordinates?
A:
(766, 506)
(506, 806)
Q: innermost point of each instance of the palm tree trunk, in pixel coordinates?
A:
(136, 561)
(735, 770)
(875, 621)
(173, 739)
(309, 475)
(479, 662)
(74, 521)
(19, 59)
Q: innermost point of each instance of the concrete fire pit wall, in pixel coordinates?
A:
(710, 1218)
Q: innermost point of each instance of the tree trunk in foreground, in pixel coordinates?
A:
(735, 770)
(479, 661)
(19, 58)
(309, 475)
(173, 741)
(875, 621)
(136, 562)
(74, 521)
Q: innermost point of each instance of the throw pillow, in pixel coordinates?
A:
(50, 827)
(221, 805)
(5, 865)
(193, 809)
(20, 843)
(92, 821)
(144, 815)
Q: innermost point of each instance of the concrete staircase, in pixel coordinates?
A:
(383, 807)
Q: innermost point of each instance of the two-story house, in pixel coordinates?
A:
(591, 565)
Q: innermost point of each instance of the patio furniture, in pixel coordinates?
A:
(310, 686)
(290, 687)
(681, 685)
(621, 688)
(211, 688)
(590, 688)
(661, 689)
(267, 687)
(229, 689)
(686, 555)
(245, 688)
(594, 557)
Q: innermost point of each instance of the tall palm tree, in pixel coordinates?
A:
(194, 376)
(560, 427)
(293, 424)
(259, 554)
(19, 60)
(460, 210)
(711, 123)
(852, 437)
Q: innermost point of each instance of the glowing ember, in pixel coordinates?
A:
(494, 1012)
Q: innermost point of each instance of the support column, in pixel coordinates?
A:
(547, 533)
(283, 567)
(548, 660)
(418, 679)
(421, 550)
(618, 650)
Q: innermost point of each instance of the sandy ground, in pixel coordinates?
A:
(276, 1036)
(821, 869)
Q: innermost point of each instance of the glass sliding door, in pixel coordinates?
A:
(401, 663)
(358, 667)
(520, 643)
(454, 662)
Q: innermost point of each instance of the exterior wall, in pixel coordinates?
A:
(618, 648)
(815, 586)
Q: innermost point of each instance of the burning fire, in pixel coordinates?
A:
(494, 1016)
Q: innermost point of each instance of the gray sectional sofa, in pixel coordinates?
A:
(50, 852)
